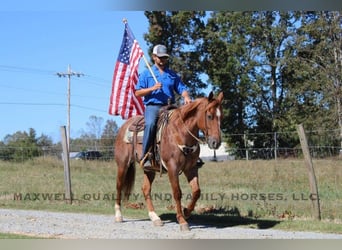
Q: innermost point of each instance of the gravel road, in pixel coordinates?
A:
(90, 226)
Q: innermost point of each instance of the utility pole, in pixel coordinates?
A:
(68, 74)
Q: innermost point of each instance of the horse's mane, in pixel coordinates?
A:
(187, 110)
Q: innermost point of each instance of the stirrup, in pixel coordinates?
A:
(147, 157)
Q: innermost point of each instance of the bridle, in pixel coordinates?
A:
(204, 132)
(186, 149)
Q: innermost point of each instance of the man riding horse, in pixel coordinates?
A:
(156, 95)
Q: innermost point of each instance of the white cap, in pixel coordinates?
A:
(160, 50)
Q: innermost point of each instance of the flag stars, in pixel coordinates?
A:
(126, 47)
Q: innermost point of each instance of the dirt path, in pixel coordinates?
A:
(89, 226)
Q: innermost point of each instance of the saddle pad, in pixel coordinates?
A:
(136, 126)
(128, 137)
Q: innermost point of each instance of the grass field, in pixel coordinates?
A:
(259, 194)
(5, 236)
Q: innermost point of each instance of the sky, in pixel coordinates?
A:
(35, 45)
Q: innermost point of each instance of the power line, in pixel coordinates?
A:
(49, 92)
(69, 74)
(52, 104)
(95, 81)
(30, 90)
(89, 108)
(24, 69)
(92, 80)
(32, 103)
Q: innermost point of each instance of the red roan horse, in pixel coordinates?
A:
(179, 152)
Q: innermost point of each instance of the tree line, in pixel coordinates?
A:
(23, 145)
(277, 69)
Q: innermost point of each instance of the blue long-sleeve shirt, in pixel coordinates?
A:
(170, 81)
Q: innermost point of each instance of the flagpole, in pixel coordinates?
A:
(144, 57)
(149, 67)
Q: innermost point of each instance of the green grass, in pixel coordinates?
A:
(7, 236)
(256, 194)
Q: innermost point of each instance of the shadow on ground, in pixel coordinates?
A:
(222, 221)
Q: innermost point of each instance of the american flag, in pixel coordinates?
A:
(122, 100)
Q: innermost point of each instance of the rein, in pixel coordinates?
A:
(190, 133)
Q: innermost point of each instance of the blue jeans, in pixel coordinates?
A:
(151, 118)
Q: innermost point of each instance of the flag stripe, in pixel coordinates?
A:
(123, 102)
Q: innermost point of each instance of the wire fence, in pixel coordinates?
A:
(248, 146)
(25, 153)
(322, 144)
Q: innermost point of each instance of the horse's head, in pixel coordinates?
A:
(211, 121)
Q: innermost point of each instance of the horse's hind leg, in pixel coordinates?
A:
(124, 185)
(119, 185)
(146, 189)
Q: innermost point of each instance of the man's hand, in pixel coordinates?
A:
(144, 92)
(186, 97)
(157, 86)
(187, 100)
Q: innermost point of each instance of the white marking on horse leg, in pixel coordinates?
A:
(184, 227)
(153, 216)
(155, 219)
(118, 215)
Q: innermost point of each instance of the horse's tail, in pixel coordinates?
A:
(126, 159)
(130, 174)
(129, 180)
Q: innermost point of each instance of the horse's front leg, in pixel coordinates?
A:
(146, 189)
(192, 177)
(177, 195)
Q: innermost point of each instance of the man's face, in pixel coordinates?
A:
(160, 61)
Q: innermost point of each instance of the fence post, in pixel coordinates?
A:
(67, 179)
(246, 145)
(275, 145)
(312, 178)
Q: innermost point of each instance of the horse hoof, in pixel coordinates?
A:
(118, 219)
(158, 223)
(184, 227)
(186, 213)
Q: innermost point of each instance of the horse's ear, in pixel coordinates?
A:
(220, 97)
(210, 96)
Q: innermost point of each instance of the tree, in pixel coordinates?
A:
(110, 130)
(228, 54)
(44, 141)
(21, 145)
(320, 53)
(91, 137)
(246, 54)
(108, 138)
(94, 126)
(180, 32)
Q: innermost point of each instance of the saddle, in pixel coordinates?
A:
(135, 133)
(135, 129)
